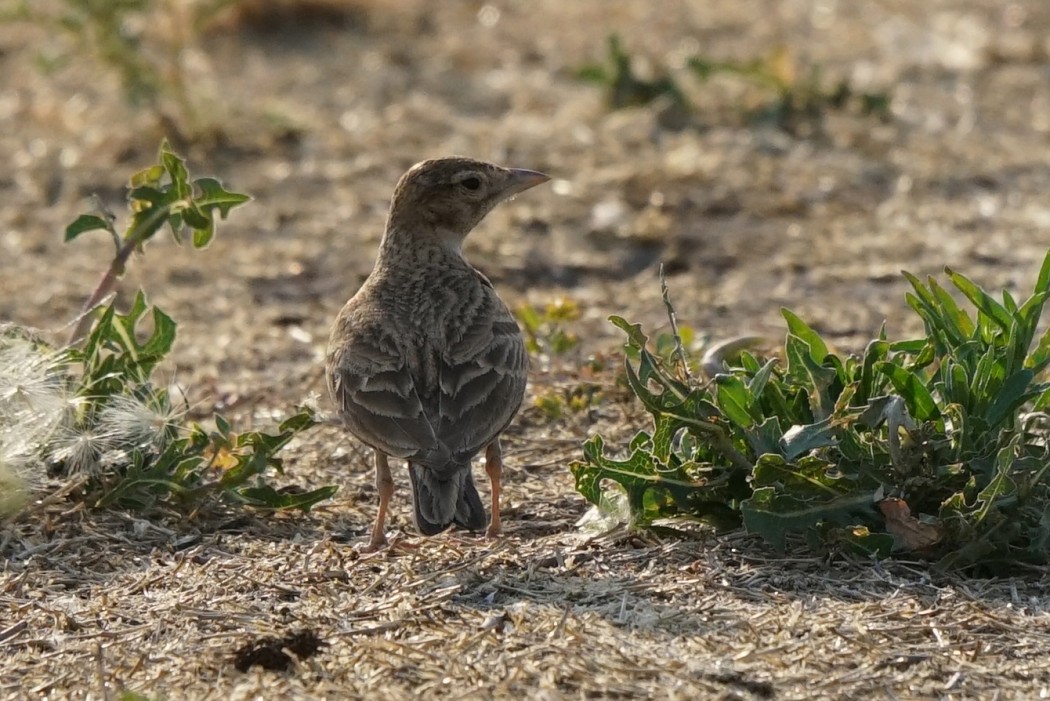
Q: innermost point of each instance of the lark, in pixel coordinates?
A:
(426, 363)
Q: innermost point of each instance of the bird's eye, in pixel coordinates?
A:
(471, 183)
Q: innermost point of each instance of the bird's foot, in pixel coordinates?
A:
(495, 530)
(373, 545)
(395, 545)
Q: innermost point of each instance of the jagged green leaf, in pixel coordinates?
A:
(266, 497)
(85, 223)
(920, 402)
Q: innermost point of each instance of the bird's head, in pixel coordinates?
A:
(447, 197)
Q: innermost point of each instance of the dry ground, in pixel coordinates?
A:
(322, 117)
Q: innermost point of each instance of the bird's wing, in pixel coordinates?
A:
(370, 378)
(481, 376)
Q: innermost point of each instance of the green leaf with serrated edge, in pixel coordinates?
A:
(749, 363)
(959, 391)
(1011, 350)
(925, 302)
(734, 400)
(266, 497)
(635, 474)
(799, 440)
(765, 437)
(817, 379)
(757, 384)
(987, 379)
(1015, 391)
(175, 167)
(85, 223)
(1028, 316)
(652, 491)
(953, 318)
(918, 399)
(250, 465)
(818, 349)
(303, 419)
(147, 176)
(807, 477)
(772, 516)
(193, 217)
(1009, 303)
(843, 404)
(924, 358)
(113, 356)
(160, 341)
(202, 237)
(911, 346)
(876, 352)
(214, 196)
(1042, 282)
(222, 425)
(152, 195)
(146, 222)
(980, 299)
(1039, 359)
(1001, 485)
(663, 436)
(90, 354)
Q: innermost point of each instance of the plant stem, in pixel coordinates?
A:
(109, 279)
(673, 318)
(131, 241)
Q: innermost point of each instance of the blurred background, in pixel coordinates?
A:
(793, 153)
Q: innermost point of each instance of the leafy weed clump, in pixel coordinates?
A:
(550, 340)
(936, 445)
(144, 43)
(93, 410)
(547, 330)
(792, 98)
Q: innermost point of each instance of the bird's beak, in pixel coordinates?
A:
(520, 180)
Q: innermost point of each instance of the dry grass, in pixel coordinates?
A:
(93, 603)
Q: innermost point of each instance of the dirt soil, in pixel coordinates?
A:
(322, 112)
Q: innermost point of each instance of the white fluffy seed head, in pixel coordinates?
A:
(106, 440)
(127, 422)
(35, 402)
(80, 451)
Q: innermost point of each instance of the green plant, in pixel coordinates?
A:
(558, 402)
(142, 41)
(799, 96)
(626, 88)
(936, 445)
(546, 330)
(796, 97)
(92, 408)
(160, 195)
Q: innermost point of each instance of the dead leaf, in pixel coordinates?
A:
(912, 533)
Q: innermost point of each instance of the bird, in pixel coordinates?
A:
(425, 362)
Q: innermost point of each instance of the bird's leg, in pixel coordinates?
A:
(385, 486)
(494, 468)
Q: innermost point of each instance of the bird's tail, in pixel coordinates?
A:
(441, 500)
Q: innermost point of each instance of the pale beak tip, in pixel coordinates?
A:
(525, 179)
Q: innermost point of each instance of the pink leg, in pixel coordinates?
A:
(494, 468)
(385, 486)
